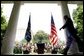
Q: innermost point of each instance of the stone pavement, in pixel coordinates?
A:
(40, 54)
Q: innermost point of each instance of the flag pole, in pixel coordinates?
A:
(51, 43)
(31, 31)
(31, 41)
(29, 13)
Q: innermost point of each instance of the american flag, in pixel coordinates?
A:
(53, 36)
(28, 31)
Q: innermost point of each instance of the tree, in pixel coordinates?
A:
(40, 37)
(78, 19)
(3, 25)
(23, 41)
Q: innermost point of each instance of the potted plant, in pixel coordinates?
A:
(40, 47)
(40, 38)
(40, 44)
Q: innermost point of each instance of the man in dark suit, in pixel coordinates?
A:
(71, 33)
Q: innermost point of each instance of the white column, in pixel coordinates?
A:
(64, 8)
(65, 11)
(8, 41)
